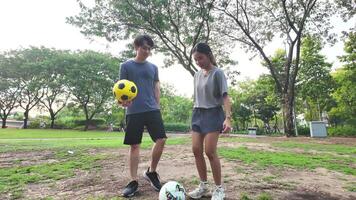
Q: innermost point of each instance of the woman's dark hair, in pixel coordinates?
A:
(141, 39)
(204, 48)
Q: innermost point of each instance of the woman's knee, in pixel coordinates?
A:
(211, 154)
(197, 151)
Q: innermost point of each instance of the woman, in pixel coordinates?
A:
(209, 119)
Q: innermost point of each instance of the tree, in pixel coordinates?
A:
(348, 8)
(345, 92)
(266, 100)
(89, 77)
(174, 108)
(9, 90)
(9, 96)
(345, 96)
(25, 68)
(314, 82)
(241, 114)
(255, 24)
(56, 94)
(176, 25)
(350, 49)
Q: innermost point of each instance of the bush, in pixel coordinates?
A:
(39, 122)
(303, 130)
(242, 132)
(76, 123)
(260, 131)
(65, 122)
(34, 124)
(346, 131)
(93, 122)
(176, 127)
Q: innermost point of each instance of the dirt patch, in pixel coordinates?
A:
(177, 163)
(14, 159)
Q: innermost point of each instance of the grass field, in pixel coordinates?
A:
(57, 164)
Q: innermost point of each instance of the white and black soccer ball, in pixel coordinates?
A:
(172, 190)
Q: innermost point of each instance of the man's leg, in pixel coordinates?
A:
(155, 127)
(134, 159)
(157, 150)
(133, 137)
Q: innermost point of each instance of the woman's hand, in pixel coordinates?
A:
(227, 125)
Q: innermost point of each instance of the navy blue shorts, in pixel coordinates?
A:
(135, 124)
(207, 120)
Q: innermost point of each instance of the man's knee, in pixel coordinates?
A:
(161, 141)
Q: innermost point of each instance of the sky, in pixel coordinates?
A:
(42, 23)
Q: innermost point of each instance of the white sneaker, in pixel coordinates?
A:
(199, 192)
(218, 194)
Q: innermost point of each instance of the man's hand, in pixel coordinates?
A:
(124, 103)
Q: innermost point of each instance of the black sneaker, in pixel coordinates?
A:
(153, 178)
(130, 189)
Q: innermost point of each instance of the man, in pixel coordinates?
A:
(143, 111)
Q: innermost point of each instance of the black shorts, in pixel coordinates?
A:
(135, 124)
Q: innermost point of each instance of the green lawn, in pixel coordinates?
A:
(28, 140)
(288, 159)
(58, 143)
(333, 148)
(13, 179)
(45, 133)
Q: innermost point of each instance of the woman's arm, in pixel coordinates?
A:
(227, 108)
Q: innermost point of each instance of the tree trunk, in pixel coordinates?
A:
(276, 124)
(25, 120)
(319, 111)
(52, 119)
(86, 126)
(3, 122)
(87, 122)
(288, 115)
(254, 116)
(52, 123)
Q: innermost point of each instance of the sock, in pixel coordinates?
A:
(204, 182)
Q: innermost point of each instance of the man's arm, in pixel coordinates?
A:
(157, 92)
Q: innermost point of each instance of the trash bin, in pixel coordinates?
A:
(252, 131)
(317, 129)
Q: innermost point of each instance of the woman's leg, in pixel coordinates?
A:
(211, 140)
(198, 151)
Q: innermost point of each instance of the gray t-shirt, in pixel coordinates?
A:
(144, 75)
(209, 89)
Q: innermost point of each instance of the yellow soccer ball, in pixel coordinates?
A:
(124, 90)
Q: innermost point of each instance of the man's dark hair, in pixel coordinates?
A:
(141, 39)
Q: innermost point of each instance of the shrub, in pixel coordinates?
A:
(303, 130)
(93, 122)
(346, 131)
(176, 127)
(243, 132)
